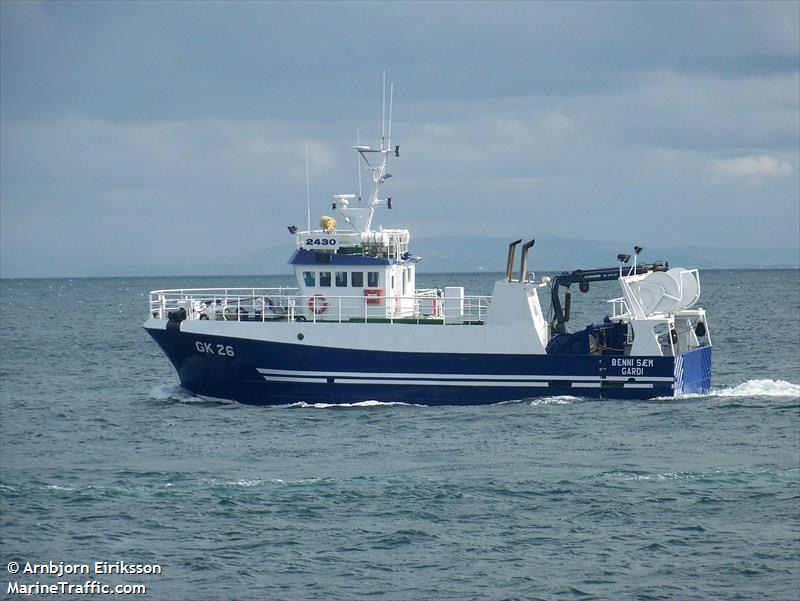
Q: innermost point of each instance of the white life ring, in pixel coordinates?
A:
(317, 304)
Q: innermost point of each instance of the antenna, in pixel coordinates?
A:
(383, 111)
(358, 165)
(308, 194)
(362, 216)
(391, 95)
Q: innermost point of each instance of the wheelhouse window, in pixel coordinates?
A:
(357, 279)
(341, 279)
(325, 279)
(310, 278)
(372, 279)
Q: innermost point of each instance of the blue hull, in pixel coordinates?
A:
(271, 373)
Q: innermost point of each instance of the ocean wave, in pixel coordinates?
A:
(717, 475)
(554, 400)
(769, 388)
(169, 392)
(59, 487)
(751, 388)
(658, 476)
(356, 405)
(134, 487)
(256, 482)
(176, 394)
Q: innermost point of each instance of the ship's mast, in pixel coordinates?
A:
(360, 217)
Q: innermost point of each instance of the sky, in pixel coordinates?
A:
(171, 137)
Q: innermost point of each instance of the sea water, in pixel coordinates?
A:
(104, 458)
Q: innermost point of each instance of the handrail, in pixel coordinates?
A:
(285, 304)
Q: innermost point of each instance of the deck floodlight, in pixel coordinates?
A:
(292, 229)
(637, 249)
(623, 258)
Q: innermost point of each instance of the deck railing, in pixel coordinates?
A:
(285, 304)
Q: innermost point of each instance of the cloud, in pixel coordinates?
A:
(78, 154)
(171, 60)
(77, 189)
(752, 168)
(133, 128)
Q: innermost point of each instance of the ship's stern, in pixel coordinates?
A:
(693, 372)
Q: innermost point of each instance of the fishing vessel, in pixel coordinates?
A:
(355, 327)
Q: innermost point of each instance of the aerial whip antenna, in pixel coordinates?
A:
(358, 165)
(383, 110)
(308, 194)
(391, 95)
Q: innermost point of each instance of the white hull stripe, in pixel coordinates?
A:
(397, 382)
(275, 375)
(404, 382)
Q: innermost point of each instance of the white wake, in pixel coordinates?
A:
(768, 388)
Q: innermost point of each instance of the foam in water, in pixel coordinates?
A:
(165, 392)
(251, 482)
(722, 475)
(751, 388)
(554, 400)
(361, 404)
(769, 388)
(174, 392)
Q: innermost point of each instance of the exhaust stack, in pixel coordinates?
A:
(524, 261)
(510, 260)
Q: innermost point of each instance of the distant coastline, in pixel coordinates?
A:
(476, 254)
(244, 274)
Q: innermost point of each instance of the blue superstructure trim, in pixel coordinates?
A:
(308, 257)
